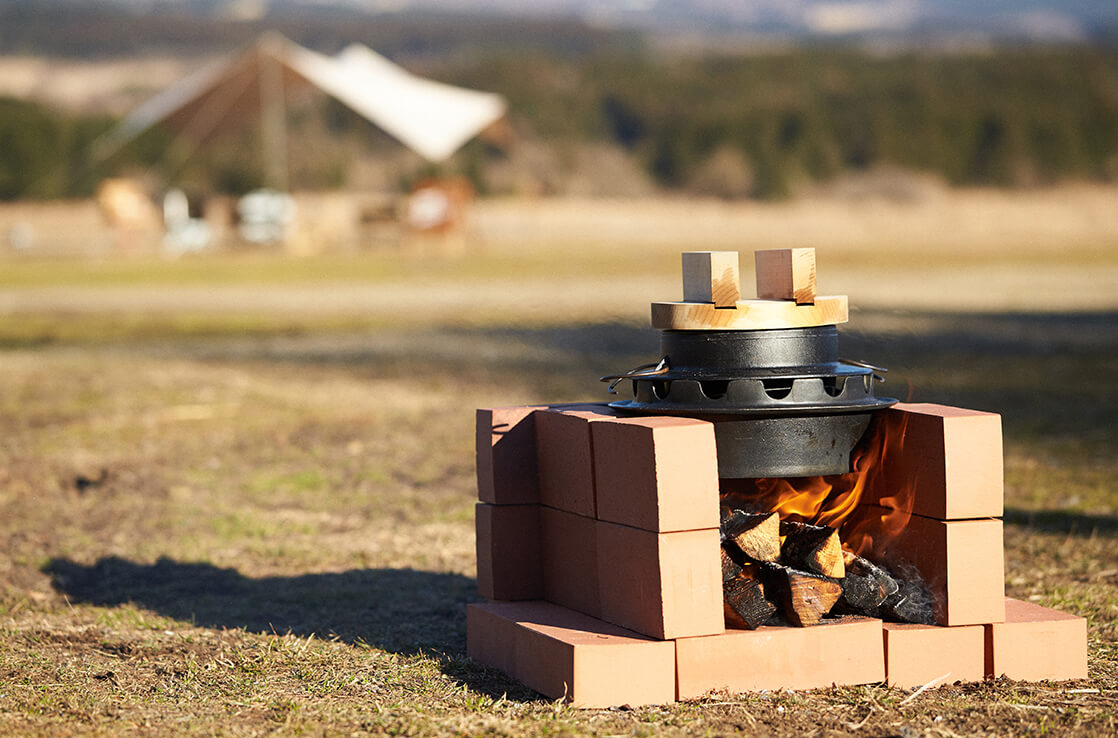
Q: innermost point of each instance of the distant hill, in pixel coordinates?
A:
(88, 29)
(440, 27)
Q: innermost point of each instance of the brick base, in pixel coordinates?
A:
(917, 654)
(1036, 643)
(846, 651)
(564, 654)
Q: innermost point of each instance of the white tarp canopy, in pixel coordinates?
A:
(430, 118)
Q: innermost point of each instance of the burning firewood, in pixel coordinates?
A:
(755, 585)
(815, 548)
(803, 597)
(865, 586)
(731, 564)
(801, 571)
(869, 589)
(756, 535)
(744, 600)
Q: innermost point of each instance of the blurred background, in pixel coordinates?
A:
(903, 101)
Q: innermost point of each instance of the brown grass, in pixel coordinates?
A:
(260, 520)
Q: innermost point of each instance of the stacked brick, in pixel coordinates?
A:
(600, 535)
(941, 475)
(598, 553)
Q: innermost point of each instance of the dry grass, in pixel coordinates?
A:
(111, 85)
(259, 520)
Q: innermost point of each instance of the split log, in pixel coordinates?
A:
(731, 566)
(756, 536)
(803, 597)
(865, 586)
(814, 548)
(744, 600)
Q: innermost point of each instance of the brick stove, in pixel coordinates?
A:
(598, 541)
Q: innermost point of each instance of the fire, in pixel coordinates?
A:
(835, 500)
(869, 532)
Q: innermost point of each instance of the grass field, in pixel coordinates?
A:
(236, 492)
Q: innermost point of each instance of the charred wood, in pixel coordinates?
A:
(755, 535)
(813, 548)
(803, 598)
(869, 589)
(911, 603)
(731, 563)
(744, 600)
(866, 585)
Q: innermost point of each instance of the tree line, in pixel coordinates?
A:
(1017, 117)
(736, 125)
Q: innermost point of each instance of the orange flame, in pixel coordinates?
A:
(841, 500)
(872, 529)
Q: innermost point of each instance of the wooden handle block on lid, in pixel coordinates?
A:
(786, 274)
(711, 276)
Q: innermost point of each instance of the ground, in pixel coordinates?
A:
(236, 491)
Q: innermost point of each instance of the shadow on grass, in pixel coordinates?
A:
(1062, 521)
(403, 611)
(400, 610)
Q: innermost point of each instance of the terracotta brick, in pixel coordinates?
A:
(846, 651)
(917, 654)
(509, 552)
(565, 457)
(940, 462)
(1036, 643)
(960, 561)
(561, 653)
(570, 560)
(664, 585)
(491, 638)
(656, 473)
(507, 473)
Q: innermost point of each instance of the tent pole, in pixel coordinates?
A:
(273, 113)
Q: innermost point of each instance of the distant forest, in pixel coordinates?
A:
(755, 125)
(1015, 118)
